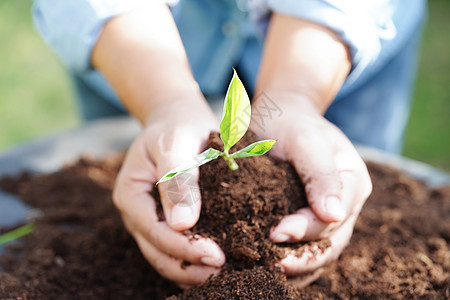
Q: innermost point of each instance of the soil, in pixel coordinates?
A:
(80, 249)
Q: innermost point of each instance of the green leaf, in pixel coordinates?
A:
(16, 233)
(236, 113)
(202, 158)
(255, 149)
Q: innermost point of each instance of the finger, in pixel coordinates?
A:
(141, 218)
(313, 160)
(180, 196)
(355, 178)
(181, 200)
(301, 281)
(313, 259)
(304, 225)
(131, 196)
(172, 268)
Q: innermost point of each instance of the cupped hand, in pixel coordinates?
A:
(176, 131)
(336, 181)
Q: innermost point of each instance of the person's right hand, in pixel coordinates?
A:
(176, 131)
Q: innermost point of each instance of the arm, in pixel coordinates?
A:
(303, 59)
(304, 65)
(142, 55)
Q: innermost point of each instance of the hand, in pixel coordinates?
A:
(336, 182)
(176, 131)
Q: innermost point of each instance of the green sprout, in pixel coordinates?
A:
(16, 233)
(234, 124)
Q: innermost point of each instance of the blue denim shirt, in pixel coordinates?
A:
(220, 34)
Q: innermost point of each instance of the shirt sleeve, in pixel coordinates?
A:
(362, 25)
(72, 27)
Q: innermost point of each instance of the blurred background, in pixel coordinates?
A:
(36, 97)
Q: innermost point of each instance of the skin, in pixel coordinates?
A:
(142, 55)
(304, 65)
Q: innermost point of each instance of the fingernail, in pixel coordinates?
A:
(281, 238)
(333, 207)
(210, 261)
(180, 213)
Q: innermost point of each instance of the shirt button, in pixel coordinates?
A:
(229, 28)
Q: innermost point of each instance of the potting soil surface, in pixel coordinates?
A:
(81, 250)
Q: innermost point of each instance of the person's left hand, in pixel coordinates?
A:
(336, 181)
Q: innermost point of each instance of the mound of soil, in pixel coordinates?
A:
(80, 249)
(238, 209)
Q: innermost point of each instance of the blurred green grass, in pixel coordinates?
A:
(36, 97)
(428, 132)
(35, 92)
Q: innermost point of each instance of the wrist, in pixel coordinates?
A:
(170, 106)
(166, 98)
(285, 102)
(304, 92)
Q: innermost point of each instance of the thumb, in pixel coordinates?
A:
(180, 196)
(316, 167)
(180, 199)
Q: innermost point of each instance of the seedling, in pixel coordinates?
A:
(234, 124)
(16, 233)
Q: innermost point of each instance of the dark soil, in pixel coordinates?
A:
(80, 249)
(238, 209)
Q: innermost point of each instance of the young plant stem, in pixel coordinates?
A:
(234, 124)
(230, 161)
(16, 233)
